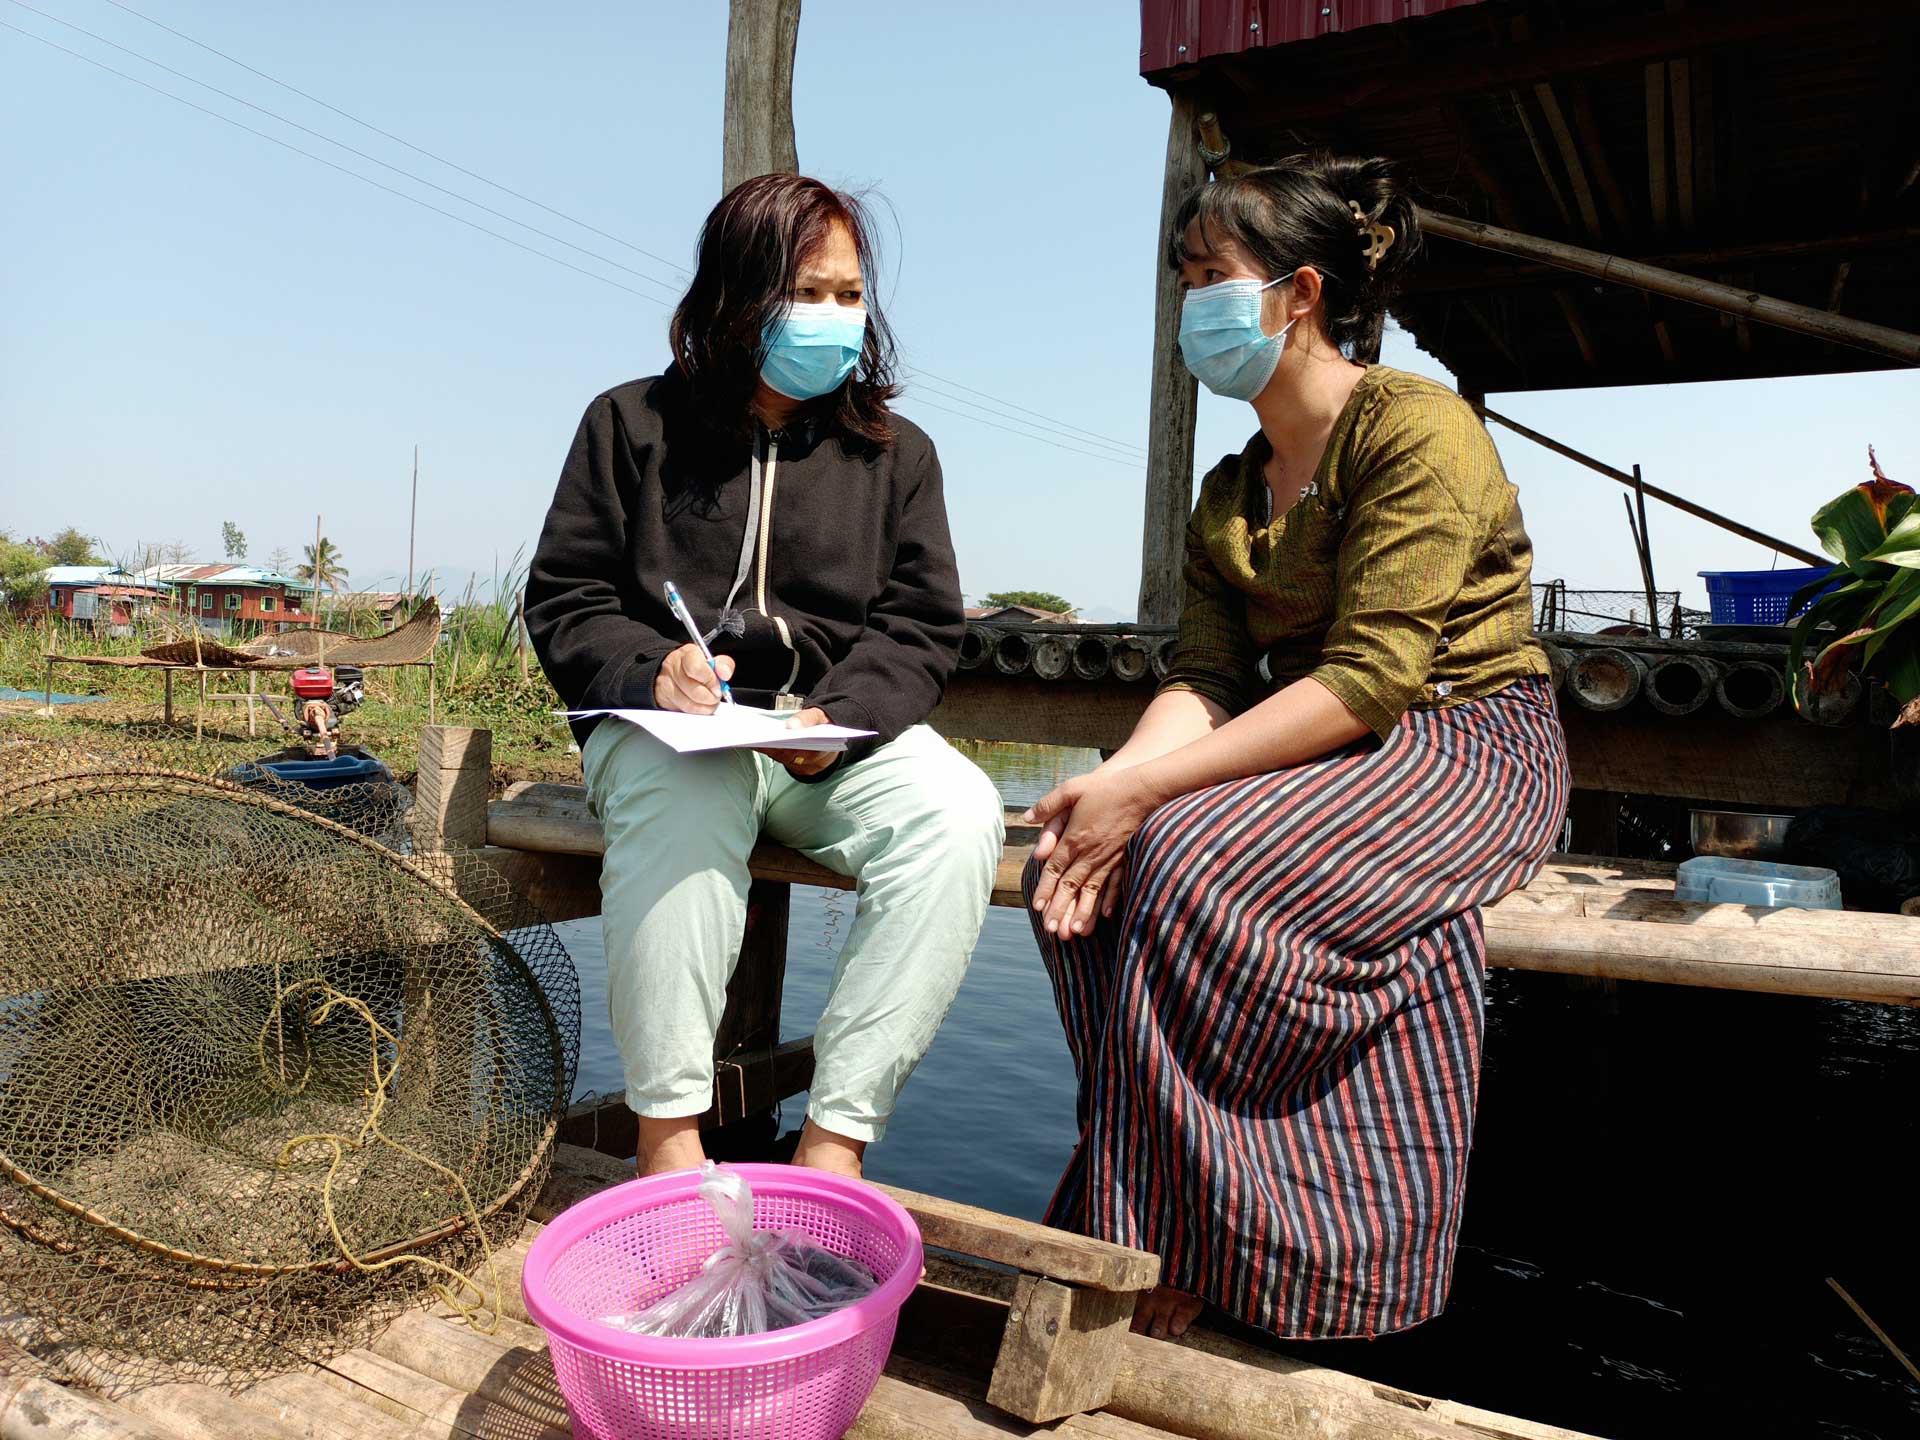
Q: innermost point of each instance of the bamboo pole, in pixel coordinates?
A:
(1782, 314)
(1678, 502)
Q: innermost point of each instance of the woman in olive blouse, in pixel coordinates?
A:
(1262, 914)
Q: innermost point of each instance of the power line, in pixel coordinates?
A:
(1131, 458)
(322, 160)
(389, 135)
(1023, 434)
(1072, 438)
(1050, 421)
(328, 139)
(1090, 434)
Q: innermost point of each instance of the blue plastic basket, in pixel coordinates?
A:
(1758, 597)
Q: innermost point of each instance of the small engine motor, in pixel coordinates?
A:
(327, 694)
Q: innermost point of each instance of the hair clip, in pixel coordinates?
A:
(1378, 238)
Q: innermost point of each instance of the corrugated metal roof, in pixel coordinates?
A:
(1184, 32)
(218, 575)
(81, 574)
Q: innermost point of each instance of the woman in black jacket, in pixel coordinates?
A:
(803, 521)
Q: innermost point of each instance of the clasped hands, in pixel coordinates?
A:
(1089, 822)
(686, 682)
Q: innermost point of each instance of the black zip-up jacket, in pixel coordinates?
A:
(850, 597)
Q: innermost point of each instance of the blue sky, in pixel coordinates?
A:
(197, 325)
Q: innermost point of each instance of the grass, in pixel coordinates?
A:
(486, 677)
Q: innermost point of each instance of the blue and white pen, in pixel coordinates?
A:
(679, 607)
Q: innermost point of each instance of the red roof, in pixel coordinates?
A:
(1183, 32)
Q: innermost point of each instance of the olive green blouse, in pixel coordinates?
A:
(1401, 580)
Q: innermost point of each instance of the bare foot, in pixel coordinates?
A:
(1165, 1313)
(669, 1145)
(822, 1149)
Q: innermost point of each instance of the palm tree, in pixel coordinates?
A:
(324, 573)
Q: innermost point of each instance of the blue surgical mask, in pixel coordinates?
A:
(1221, 339)
(811, 349)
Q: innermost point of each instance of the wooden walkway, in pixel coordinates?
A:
(963, 1336)
(1583, 915)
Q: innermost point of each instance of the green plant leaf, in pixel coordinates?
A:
(1898, 604)
(1812, 588)
(1829, 672)
(1901, 666)
(1844, 608)
(1848, 527)
(1901, 546)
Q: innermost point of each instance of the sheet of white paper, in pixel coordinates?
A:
(731, 727)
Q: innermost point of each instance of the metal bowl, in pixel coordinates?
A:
(1743, 837)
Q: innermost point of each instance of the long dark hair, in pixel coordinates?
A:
(1299, 211)
(750, 251)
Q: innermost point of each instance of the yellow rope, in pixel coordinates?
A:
(452, 1296)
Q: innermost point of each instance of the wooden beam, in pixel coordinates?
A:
(1541, 158)
(757, 138)
(1678, 502)
(1570, 157)
(1593, 149)
(1783, 314)
(1504, 274)
(1034, 1249)
(1680, 78)
(1570, 310)
(450, 790)
(1060, 1351)
(1657, 144)
(1305, 91)
(1174, 397)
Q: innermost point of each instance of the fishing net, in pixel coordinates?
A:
(264, 1080)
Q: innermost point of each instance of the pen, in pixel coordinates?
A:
(679, 608)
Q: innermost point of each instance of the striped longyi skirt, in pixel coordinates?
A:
(1278, 1036)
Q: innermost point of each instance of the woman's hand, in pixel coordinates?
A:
(1083, 850)
(685, 681)
(803, 763)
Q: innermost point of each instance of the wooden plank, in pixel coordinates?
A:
(986, 705)
(1562, 134)
(1592, 145)
(1776, 760)
(757, 130)
(1174, 398)
(433, 1409)
(509, 1369)
(315, 1410)
(1060, 1351)
(1657, 189)
(1680, 79)
(33, 1408)
(559, 887)
(1036, 1249)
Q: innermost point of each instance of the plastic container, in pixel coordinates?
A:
(1758, 597)
(346, 768)
(623, 1249)
(1719, 880)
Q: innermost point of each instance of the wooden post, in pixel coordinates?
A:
(432, 698)
(166, 684)
(253, 689)
(200, 705)
(757, 138)
(1175, 395)
(450, 791)
(1061, 1351)
(750, 1027)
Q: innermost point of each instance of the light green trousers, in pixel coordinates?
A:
(915, 824)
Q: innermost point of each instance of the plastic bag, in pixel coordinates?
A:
(759, 1280)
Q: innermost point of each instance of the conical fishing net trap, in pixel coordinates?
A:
(263, 1080)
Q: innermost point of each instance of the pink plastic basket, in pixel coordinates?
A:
(623, 1249)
